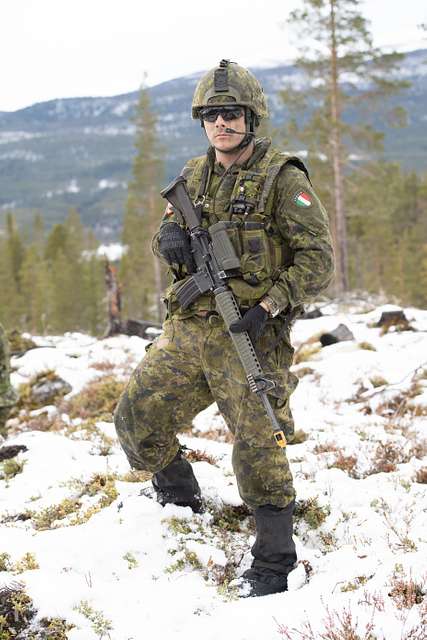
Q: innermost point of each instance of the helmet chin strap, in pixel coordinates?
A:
(242, 145)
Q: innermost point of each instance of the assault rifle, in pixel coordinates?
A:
(216, 260)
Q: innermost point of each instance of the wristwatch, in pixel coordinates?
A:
(272, 306)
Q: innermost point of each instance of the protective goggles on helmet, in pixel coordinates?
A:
(210, 114)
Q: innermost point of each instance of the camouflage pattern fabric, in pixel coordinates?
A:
(287, 254)
(192, 364)
(8, 395)
(296, 220)
(239, 86)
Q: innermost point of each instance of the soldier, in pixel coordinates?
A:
(8, 395)
(280, 230)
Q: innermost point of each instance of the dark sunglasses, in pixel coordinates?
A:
(227, 113)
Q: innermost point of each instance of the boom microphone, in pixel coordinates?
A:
(239, 133)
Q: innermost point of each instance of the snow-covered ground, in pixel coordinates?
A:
(89, 547)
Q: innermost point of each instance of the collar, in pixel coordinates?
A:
(260, 149)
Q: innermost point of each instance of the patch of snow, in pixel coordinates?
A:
(107, 130)
(72, 187)
(131, 559)
(113, 251)
(21, 154)
(123, 107)
(6, 137)
(107, 183)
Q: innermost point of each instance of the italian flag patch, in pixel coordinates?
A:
(302, 199)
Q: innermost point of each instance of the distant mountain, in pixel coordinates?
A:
(78, 151)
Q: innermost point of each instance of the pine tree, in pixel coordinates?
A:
(56, 241)
(140, 271)
(12, 254)
(15, 249)
(94, 315)
(11, 303)
(345, 73)
(35, 289)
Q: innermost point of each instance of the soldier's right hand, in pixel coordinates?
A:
(175, 247)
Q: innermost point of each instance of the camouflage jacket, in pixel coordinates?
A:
(275, 220)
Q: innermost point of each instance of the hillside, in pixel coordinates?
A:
(78, 152)
(86, 550)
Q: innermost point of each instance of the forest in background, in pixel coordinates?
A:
(53, 281)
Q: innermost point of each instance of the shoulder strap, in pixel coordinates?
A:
(196, 172)
(275, 164)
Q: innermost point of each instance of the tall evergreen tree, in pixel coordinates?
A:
(345, 73)
(140, 272)
(15, 249)
(35, 290)
(12, 254)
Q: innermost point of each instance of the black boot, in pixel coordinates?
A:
(176, 484)
(274, 552)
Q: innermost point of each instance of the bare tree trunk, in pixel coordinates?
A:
(114, 301)
(340, 230)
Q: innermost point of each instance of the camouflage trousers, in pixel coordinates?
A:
(190, 365)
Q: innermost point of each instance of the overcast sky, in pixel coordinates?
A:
(68, 48)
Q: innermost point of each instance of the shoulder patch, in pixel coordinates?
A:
(303, 199)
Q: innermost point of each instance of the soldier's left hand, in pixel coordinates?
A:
(253, 322)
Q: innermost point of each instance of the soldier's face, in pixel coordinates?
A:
(217, 135)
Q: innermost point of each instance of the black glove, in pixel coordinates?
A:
(253, 322)
(174, 245)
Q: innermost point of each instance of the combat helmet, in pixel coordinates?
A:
(230, 84)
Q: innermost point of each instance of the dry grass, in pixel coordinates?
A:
(219, 434)
(303, 371)
(104, 365)
(345, 463)
(398, 525)
(421, 475)
(42, 422)
(401, 405)
(326, 447)
(97, 399)
(418, 449)
(378, 381)
(389, 454)
(230, 518)
(311, 512)
(404, 591)
(101, 486)
(367, 346)
(344, 625)
(28, 401)
(337, 626)
(306, 351)
(135, 475)
(18, 343)
(298, 437)
(196, 455)
(400, 326)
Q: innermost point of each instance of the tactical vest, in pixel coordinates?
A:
(248, 212)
